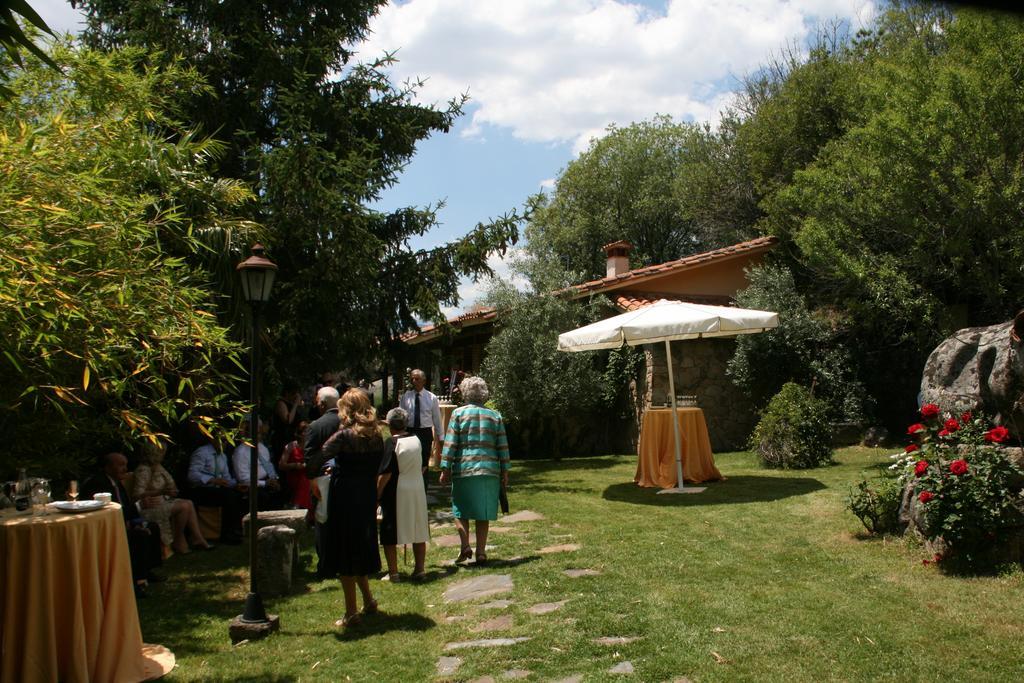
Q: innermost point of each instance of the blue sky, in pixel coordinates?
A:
(545, 76)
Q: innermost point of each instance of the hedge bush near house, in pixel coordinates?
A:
(794, 431)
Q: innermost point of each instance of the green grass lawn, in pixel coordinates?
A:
(763, 577)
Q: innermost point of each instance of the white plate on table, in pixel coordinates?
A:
(77, 505)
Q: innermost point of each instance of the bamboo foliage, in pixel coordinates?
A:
(109, 324)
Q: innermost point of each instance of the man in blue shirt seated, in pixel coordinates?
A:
(214, 486)
(268, 485)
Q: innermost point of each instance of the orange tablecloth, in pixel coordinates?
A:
(656, 464)
(67, 610)
(446, 414)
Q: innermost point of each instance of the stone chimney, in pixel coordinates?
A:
(618, 257)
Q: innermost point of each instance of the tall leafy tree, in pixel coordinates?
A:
(109, 327)
(552, 399)
(621, 187)
(795, 105)
(910, 222)
(320, 135)
(715, 186)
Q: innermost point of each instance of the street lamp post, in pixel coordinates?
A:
(257, 274)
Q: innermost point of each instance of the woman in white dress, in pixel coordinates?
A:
(154, 488)
(402, 497)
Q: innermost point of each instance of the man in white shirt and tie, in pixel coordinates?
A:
(424, 414)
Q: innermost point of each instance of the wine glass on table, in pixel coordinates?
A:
(41, 496)
(73, 490)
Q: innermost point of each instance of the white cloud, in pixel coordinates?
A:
(562, 70)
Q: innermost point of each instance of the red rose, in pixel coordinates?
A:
(925, 496)
(943, 432)
(965, 418)
(951, 424)
(929, 410)
(921, 467)
(997, 434)
(915, 428)
(911, 448)
(958, 467)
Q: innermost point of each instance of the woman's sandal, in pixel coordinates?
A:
(349, 620)
(370, 608)
(465, 556)
(481, 559)
(419, 576)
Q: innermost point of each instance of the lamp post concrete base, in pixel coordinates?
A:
(244, 630)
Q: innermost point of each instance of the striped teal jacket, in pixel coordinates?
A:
(475, 443)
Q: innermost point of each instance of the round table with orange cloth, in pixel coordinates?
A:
(656, 462)
(67, 607)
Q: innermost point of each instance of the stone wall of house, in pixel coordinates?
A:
(699, 369)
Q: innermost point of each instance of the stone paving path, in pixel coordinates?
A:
(577, 573)
(521, 516)
(546, 607)
(614, 640)
(513, 674)
(472, 592)
(622, 668)
(499, 623)
(486, 642)
(478, 587)
(562, 548)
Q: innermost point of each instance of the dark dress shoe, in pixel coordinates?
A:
(208, 546)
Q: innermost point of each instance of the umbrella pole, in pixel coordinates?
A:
(680, 487)
(675, 415)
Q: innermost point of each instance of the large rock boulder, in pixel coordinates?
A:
(980, 369)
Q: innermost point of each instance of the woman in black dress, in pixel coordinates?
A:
(350, 547)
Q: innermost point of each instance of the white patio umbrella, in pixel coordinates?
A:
(667, 321)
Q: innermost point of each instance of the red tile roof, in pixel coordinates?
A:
(625, 300)
(631, 301)
(474, 317)
(640, 274)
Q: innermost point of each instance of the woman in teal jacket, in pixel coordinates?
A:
(475, 460)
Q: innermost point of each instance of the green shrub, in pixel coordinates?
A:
(807, 347)
(794, 431)
(877, 505)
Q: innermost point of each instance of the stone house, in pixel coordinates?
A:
(713, 277)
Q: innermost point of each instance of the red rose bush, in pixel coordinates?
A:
(963, 490)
